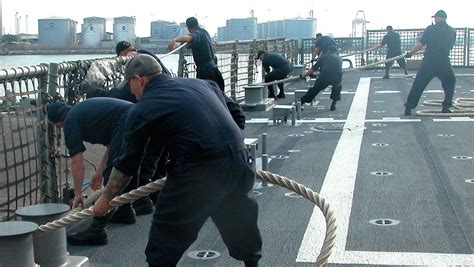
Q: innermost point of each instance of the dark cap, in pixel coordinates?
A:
(192, 22)
(440, 14)
(57, 111)
(140, 65)
(260, 53)
(121, 46)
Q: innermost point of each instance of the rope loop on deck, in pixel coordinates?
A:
(79, 214)
(462, 107)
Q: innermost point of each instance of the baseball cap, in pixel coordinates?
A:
(121, 46)
(140, 65)
(440, 14)
(57, 111)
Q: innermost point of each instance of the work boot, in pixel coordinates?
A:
(407, 111)
(143, 206)
(333, 105)
(251, 263)
(124, 215)
(386, 76)
(445, 110)
(95, 235)
(281, 95)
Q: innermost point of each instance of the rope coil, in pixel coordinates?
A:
(77, 214)
(462, 107)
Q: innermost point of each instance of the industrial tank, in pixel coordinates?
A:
(172, 30)
(93, 31)
(124, 29)
(242, 29)
(300, 28)
(57, 32)
(158, 29)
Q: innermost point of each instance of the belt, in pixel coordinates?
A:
(217, 153)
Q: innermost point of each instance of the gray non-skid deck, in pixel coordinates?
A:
(338, 153)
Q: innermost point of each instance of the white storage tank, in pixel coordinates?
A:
(124, 29)
(158, 30)
(242, 29)
(222, 34)
(93, 31)
(300, 28)
(172, 30)
(57, 32)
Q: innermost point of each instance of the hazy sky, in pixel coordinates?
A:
(332, 16)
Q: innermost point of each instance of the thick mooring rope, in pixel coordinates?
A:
(462, 107)
(292, 78)
(77, 215)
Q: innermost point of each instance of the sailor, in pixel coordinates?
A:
(330, 67)
(321, 45)
(280, 68)
(203, 53)
(96, 121)
(394, 48)
(209, 164)
(439, 39)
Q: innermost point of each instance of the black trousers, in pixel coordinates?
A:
(429, 69)
(321, 83)
(196, 190)
(209, 71)
(275, 75)
(401, 62)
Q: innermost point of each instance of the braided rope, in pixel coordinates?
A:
(462, 107)
(77, 214)
(314, 197)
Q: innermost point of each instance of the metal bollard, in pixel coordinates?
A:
(264, 162)
(264, 143)
(253, 154)
(16, 244)
(50, 249)
(298, 110)
(293, 116)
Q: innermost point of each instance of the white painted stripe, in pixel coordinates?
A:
(342, 93)
(391, 120)
(338, 189)
(339, 182)
(433, 91)
(451, 119)
(387, 92)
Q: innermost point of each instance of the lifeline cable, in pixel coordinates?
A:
(151, 187)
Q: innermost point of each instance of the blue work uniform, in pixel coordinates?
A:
(209, 173)
(439, 40)
(98, 120)
(330, 67)
(204, 57)
(280, 68)
(394, 48)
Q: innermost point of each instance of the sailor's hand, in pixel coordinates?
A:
(78, 200)
(101, 207)
(308, 72)
(171, 44)
(96, 182)
(408, 54)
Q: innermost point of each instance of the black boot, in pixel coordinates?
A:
(333, 105)
(445, 110)
(95, 235)
(407, 111)
(251, 263)
(143, 206)
(124, 215)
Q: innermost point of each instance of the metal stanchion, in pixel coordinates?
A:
(16, 244)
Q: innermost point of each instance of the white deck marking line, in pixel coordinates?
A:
(451, 119)
(338, 189)
(387, 92)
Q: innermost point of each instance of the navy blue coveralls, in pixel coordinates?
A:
(330, 66)
(97, 121)
(203, 56)
(439, 40)
(394, 48)
(281, 67)
(209, 174)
